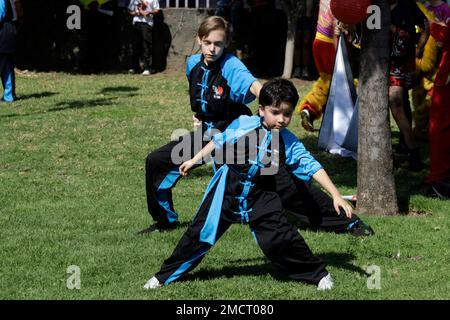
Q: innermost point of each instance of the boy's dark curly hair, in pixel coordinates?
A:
(276, 91)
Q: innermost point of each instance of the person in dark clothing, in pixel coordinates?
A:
(405, 15)
(8, 35)
(142, 12)
(96, 33)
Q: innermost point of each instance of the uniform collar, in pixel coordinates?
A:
(261, 119)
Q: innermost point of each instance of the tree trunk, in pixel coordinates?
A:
(292, 9)
(376, 185)
(290, 47)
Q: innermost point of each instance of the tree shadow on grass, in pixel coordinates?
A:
(36, 95)
(67, 105)
(261, 266)
(118, 89)
(408, 183)
(80, 104)
(341, 261)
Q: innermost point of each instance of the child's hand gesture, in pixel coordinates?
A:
(197, 122)
(338, 202)
(322, 177)
(185, 167)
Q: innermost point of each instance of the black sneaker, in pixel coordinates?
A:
(360, 229)
(159, 227)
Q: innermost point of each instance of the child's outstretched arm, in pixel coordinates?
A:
(324, 180)
(187, 165)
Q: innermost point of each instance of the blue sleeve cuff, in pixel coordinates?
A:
(313, 170)
(218, 140)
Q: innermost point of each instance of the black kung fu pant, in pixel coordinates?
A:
(277, 238)
(309, 206)
(162, 174)
(143, 45)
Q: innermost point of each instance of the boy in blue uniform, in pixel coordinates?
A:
(243, 190)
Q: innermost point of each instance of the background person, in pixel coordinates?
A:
(142, 12)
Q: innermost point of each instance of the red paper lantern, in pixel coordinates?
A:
(350, 11)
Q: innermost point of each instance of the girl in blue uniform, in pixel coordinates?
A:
(243, 190)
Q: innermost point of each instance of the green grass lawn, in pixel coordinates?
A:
(72, 193)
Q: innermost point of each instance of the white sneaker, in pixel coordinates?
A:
(326, 283)
(146, 73)
(153, 283)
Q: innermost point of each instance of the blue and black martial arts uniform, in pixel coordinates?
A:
(219, 93)
(8, 35)
(241, 193)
